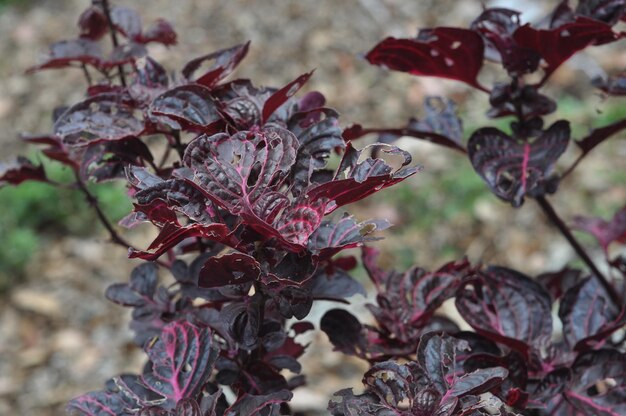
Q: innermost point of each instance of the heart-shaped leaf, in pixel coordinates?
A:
(507, 307)
(515, 168)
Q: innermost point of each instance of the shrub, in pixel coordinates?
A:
(242, 196)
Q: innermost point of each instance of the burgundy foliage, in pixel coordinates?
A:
(520, 163)
(242, 194)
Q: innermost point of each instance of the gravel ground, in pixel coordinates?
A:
(59, 336)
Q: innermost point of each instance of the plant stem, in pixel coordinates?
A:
(178, 145)
(115, 237)
(87, 75)
(548, 209)
(107, 13)
(93, 201)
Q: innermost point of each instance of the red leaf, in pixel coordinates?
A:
(557, 45)
(444, 52)
(21, 170)
(67, 52)
(282, 95)
(225, 62)
(228, 269)
(172, 234)
(93, 23)
(605, 232)
(161, 32)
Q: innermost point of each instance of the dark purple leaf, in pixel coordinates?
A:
(356, 180)
(607, 11)
(440, 125)
(151, 74)
(99, 118)
(507, 307)
(177, 195)
(557, 283)
(243, 172)
(344, 331)
(391, 381)
(123, 54)
(514, 168)
(108, 160)
(67, 52)
(97, 403)
(190, 106)
(605, 232)
(160, 31)
(263, 405)
(548, 391)
(346, 403)
(21, 170)
(142, 286)
(407, 301)
(436, 355)
(599, 388)
(225, 62)
(444, 52)
(56, 150)
(126, 21)
(588, 314)
(337, 286)
(557, 45)
(319, 134)
(440, 117)
(228, 269)
(186, 407)
(530, 102)
(281, 96)
(477, 382)
(330, 238)
(243, 320)
(93, 23)
(182, 360)
(613, 85)
(172, 234)
(561, 14)
(597, 136)
(497, 26)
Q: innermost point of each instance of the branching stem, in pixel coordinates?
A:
(548, 209)
(107, 12)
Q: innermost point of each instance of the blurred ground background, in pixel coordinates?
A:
(59, 337)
